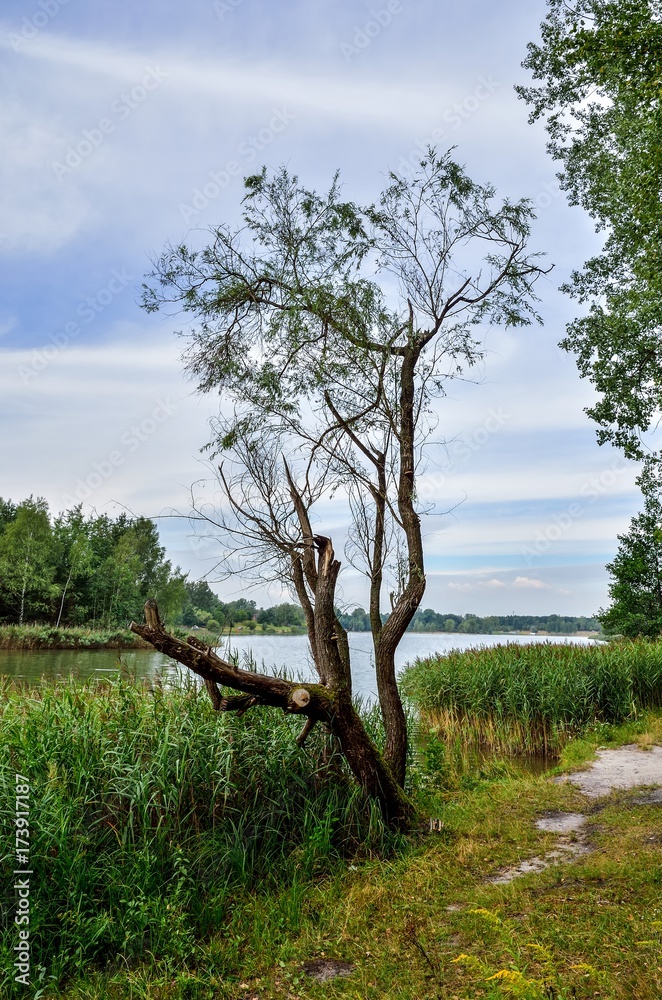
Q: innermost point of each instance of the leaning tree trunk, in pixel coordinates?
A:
(328, 703)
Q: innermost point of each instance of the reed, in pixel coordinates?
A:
(152, 818)
(532, 699)
(43, 636)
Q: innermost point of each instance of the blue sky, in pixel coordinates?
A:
(130, 124)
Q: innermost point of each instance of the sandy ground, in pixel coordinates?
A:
(622, 768)
(625, 767)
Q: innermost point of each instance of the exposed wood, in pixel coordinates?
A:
(152, 617)
(316, 702)
(214, 693)
(240, 703)
(300, 698)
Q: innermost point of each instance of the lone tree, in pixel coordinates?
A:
(328, 328)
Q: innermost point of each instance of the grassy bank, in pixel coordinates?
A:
(532, 699)
(417, 923)
(155, 822)
(80, 637)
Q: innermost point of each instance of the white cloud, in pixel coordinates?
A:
(493, 584)
(378, 101)
(529, 583)
(38, 214)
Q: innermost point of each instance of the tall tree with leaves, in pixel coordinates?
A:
(74, 558)
(328, 328)
(600, 64)
(26, 561)
(636, 588)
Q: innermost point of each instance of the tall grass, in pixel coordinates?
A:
(530, 699)
(152, 817)
(75, 637)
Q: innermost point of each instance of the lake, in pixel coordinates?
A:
(288, 652)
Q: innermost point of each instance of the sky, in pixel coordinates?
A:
(128, 125)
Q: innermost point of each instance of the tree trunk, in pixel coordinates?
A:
(64, 594)
(410, 598)
(314, 702)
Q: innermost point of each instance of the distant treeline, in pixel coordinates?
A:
(203, 609)
(432, 621)
(98, 571)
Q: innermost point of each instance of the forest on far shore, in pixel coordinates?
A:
(98, 571)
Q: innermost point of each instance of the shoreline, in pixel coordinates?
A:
(35, 638)
(29, 638)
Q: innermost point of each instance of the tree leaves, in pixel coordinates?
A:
(600, 64)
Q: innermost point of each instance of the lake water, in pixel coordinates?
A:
(288, 652)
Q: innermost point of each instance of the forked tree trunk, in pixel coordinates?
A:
(329, 702)
(314, 702)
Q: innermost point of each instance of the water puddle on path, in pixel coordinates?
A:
(624, 767)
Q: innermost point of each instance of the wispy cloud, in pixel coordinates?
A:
(529, 583)
(479, 585)
(377, 101)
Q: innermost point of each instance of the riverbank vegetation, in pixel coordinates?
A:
(175, 859)
(71, 637)
(154, 820)
(71, 580)
(532, 699)
(434, 621)
(72, 570)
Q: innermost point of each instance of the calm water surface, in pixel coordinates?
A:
(287, 653)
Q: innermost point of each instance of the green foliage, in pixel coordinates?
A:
(541, 691)
(435, 621)
(636, 588)
(67, 637)
(155, 820)
(77, 570)
(26, 560)
(283, 615)
(600, 64)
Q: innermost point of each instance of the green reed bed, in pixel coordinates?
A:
(532, 698)
(73, 637)
(152, 818)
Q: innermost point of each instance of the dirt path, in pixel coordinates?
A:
(625, 767)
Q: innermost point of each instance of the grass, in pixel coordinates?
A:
(182, 855)
(44, 636)
(154, 819)
(424, 924)
(75, 637)
(532, 699)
